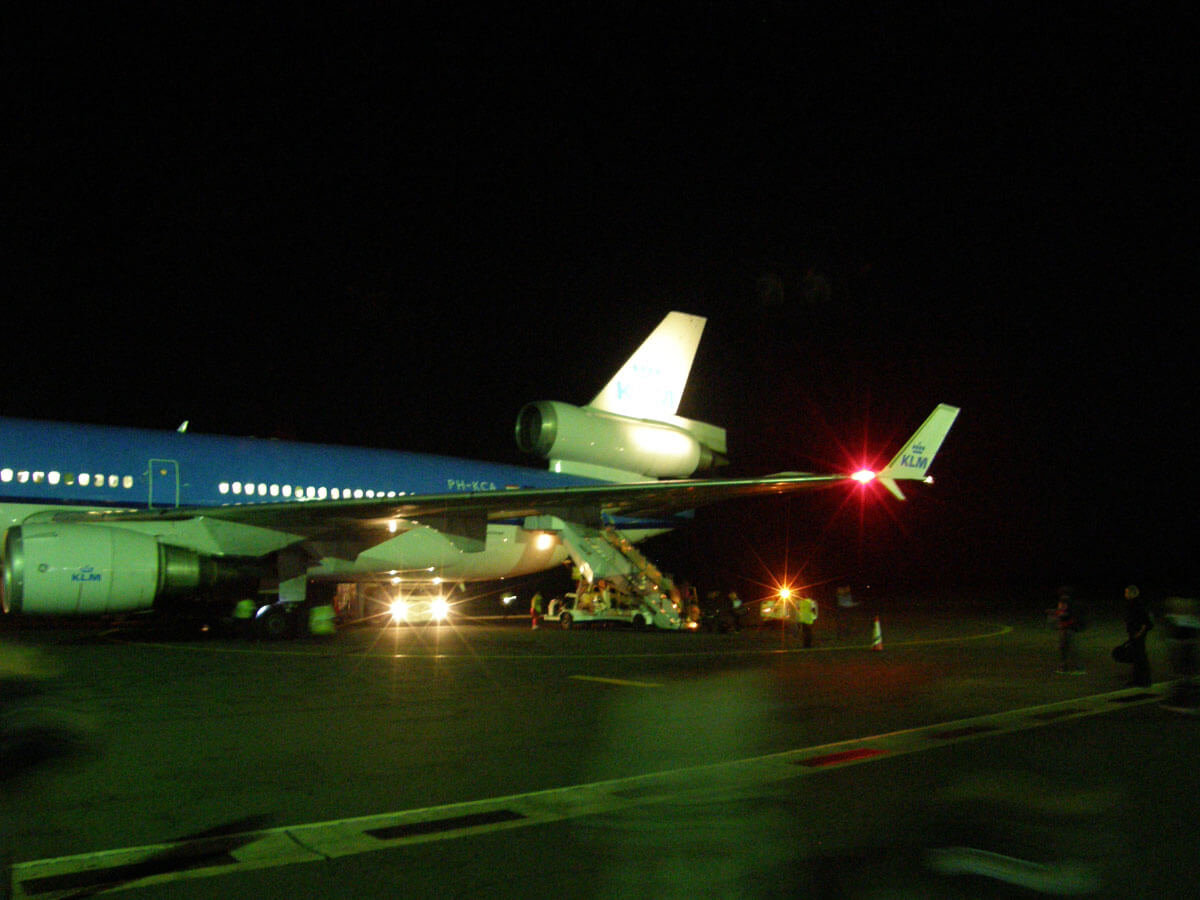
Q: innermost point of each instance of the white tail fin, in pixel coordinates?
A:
(651, 382)
(913, 461)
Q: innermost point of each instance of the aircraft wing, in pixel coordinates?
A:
(316, 518)
(468, 513)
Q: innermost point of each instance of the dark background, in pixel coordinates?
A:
(393, 230)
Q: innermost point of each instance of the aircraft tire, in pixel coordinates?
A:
(273, 624)
(565, 621)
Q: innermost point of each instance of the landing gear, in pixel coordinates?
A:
(275, 622)
(565, 620)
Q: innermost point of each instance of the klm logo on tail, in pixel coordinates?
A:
(643, 384)
(915, 458)
(651, 383)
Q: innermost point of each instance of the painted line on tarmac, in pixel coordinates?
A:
(215, 855)
(621, 681)
(324, 652)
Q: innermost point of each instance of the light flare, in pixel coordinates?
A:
(439, 609)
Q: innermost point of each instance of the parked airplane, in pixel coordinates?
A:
(101, 520)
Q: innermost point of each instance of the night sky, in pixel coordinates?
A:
(394, 231)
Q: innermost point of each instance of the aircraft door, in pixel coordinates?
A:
(164, 483)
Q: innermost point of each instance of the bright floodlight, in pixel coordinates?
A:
(862, 476)
(784, 593)
(439, 609)
(399, 610)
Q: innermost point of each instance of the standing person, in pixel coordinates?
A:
(535, 608)
(1068, 619)
(808, 617)
(1137, 623)
(845, 602)
(738, 611)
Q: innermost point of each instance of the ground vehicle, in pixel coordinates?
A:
(420, 609)
(604, 603)
(389, 604)
(785, 608)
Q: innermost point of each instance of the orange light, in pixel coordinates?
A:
(863, 476)
(785, 593)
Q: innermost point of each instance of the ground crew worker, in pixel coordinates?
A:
(535, 609)
(243, 617)
(845, 603)
(739, 611)
(321, 621)
(808, 616)
(1067, 617)
(1137, 623)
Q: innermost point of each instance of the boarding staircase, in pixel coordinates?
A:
(606, 553)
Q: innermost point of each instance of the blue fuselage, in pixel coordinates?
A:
(52, 463)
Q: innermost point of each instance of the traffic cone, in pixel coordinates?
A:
(877, 637)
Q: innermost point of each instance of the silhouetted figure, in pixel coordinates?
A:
(1068, 619)
(1137, 624)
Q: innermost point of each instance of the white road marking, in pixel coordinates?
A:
(210, 856)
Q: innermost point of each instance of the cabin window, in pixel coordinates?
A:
(6, 475)
(127, 482)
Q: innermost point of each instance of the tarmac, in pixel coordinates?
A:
(489, 759)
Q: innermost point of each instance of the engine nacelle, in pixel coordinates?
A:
(561, 431)
(87, 570)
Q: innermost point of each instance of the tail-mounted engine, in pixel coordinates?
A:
(72, 569)
(564, 433)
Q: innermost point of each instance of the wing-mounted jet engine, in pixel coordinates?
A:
(84, 570)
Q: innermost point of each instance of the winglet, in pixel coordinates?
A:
(913, 461)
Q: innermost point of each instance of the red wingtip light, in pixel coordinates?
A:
(863, 476)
